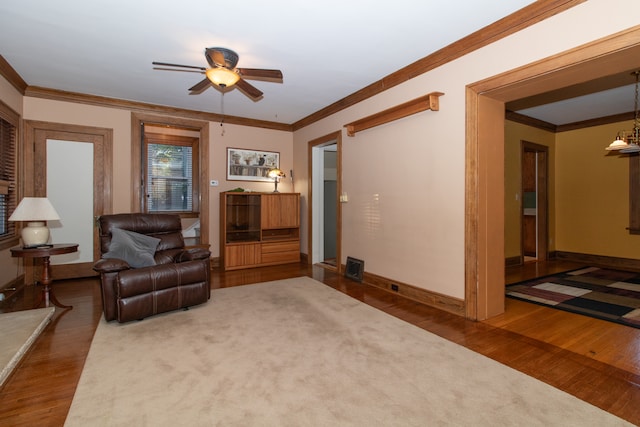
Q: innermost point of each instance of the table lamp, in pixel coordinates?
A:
(276, 174)
(35, 210)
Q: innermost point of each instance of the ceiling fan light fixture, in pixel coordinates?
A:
(222, 77)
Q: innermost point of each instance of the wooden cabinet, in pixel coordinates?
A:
(258, 229)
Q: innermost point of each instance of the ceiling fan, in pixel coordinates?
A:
(223, 73)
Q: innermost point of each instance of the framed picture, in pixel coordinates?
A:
(250, 165)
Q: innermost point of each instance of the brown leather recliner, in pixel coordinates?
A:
(179, 278)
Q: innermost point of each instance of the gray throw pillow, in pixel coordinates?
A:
(135, 248)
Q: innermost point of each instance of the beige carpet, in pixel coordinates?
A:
(18, 331)
(298, 353)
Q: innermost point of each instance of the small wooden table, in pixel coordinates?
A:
(44, 253)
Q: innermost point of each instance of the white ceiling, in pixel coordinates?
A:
(326, 50)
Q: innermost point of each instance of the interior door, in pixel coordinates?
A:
(325, 217)
(72, 167)
(534, 201)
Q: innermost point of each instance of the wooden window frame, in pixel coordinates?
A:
(8, 183)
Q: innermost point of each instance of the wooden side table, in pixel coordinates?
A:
(44, 253)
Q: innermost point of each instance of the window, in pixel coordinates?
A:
(8, 166)
(169, 173)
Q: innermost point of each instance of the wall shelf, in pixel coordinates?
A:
(430, 101)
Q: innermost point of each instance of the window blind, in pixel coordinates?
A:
(7, 176)
(169, 178)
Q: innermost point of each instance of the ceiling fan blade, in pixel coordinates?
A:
(199, 87)
(249, 90)
(166, 64)
(182, 71)
(260, 74)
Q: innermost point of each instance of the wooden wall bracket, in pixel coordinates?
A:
(430, 101)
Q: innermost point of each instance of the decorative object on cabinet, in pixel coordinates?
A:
(259, 229)
(276, 174)
(251, 165)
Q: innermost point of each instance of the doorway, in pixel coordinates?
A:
(324, 206)
(484, 186)
(72, 167)
(534, 213)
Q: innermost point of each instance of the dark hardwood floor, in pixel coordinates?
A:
(597, 361)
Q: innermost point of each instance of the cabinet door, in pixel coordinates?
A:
(280, 210)
(244, 255)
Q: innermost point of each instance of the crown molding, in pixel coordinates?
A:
(12, 76)
(79, 98)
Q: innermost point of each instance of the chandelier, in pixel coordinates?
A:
(627, 141)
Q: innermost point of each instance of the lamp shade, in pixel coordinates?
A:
(34, 209)
(275, 173)
(222, 77)
(617, 144)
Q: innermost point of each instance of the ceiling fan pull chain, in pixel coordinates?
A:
(222, 114)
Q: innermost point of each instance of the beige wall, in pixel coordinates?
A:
(514, 133)
(407, 223)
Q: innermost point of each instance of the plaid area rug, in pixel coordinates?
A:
(606, 294)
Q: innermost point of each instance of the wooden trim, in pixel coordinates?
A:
(79, 98)
(517, 21)
(430, 101)
(12, 76)
(541, 124)
(325, 140)
(430, 298)
(600, 260)
(530, 121)
(616, 118)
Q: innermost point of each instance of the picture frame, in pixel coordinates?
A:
(251, 165)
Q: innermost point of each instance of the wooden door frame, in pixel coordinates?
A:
(319, 142)
(542, 198)
(34, 181)
(484, 182)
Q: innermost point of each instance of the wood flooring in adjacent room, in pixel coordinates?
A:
(594, 360)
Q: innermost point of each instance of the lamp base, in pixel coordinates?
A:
(35, 234)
